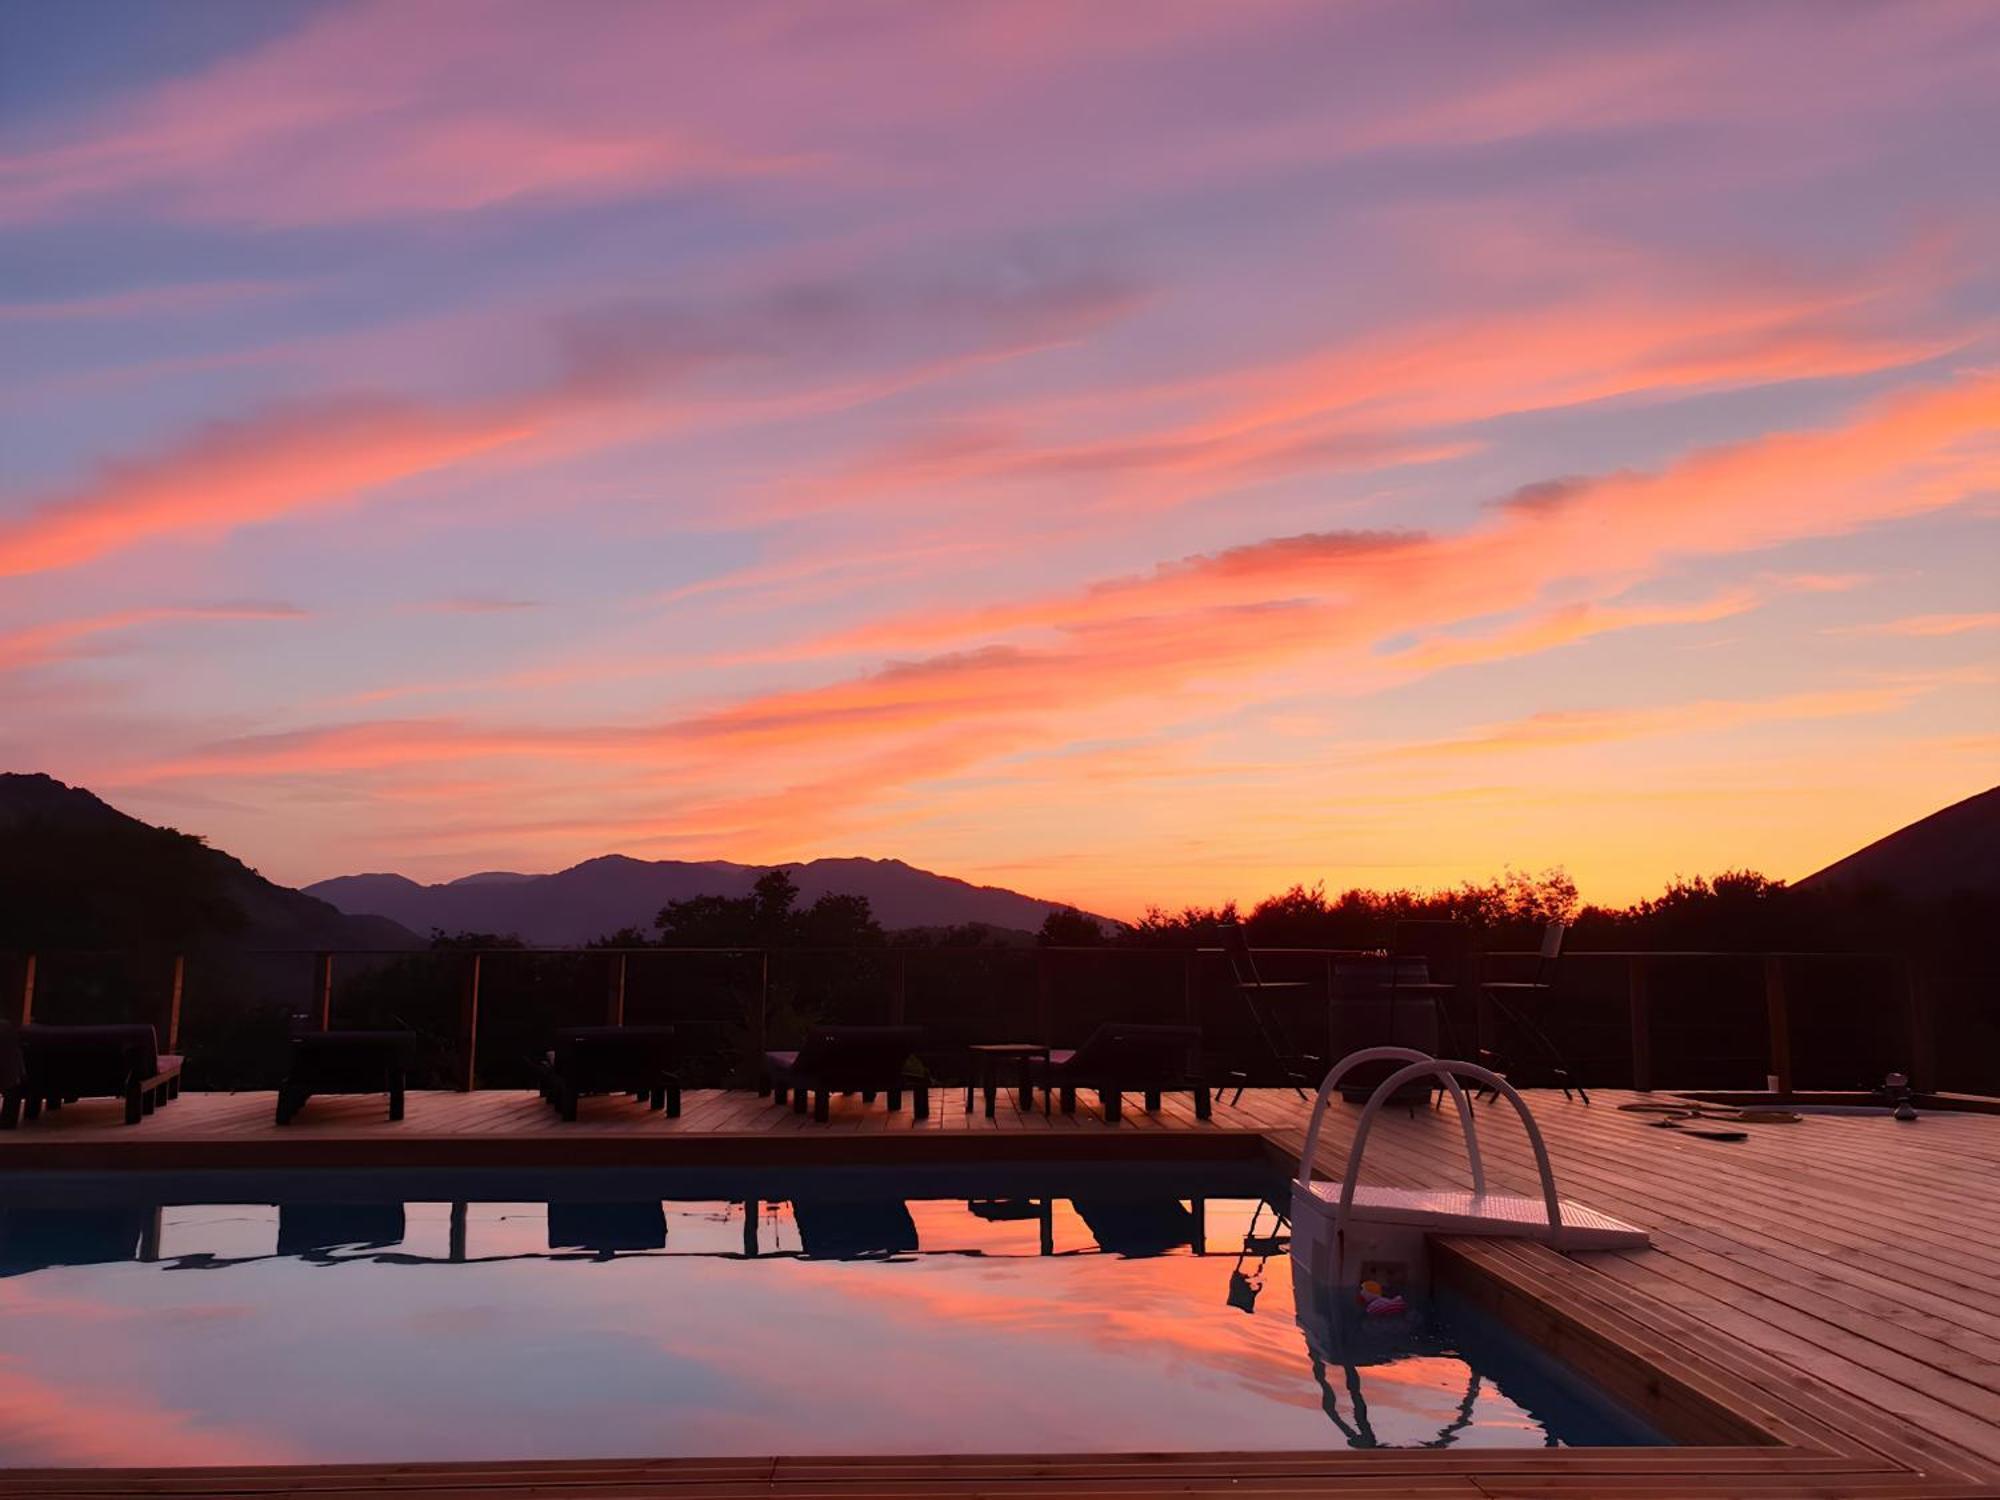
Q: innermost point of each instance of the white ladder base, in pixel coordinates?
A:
(1457, 1211)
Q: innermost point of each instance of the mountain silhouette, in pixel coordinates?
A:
(77, 873)
(602, 895)
(1954, 849)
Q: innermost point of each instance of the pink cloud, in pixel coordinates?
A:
(311, 456)
(58, 640)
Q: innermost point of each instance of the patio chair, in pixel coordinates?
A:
(1385, 1002)
(1434, 963)
(59, 1065)
(867, 1060)
(635, 1060)
(1125, 1058)
(1523, 1005)
(1261, 997)
(347, 1062)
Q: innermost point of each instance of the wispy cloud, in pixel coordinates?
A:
(1924, 627)
(61, 640)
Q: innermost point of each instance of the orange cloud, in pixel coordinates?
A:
(1380, 399)
(43, 1422)
(1562, 627)
(1564, 729)
(1208, 631)
(301, 458)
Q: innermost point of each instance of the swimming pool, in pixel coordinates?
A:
(219, 1318)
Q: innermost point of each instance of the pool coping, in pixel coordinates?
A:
(1748, 1424)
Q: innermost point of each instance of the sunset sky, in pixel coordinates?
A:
(1130, 452)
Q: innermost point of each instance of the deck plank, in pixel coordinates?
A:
(1846, 1269)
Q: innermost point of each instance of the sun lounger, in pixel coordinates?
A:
(607, 1229)
(347, 1062)
(1139, 1228)
(867, 1060)
(1124, 1058)
(314, 1230)
(869, 1229)
(635, 1060)
(60, 1064)
(34, 1239)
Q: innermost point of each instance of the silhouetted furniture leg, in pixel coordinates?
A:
(868, 1061)
(1114, 1105)
(984, 1062)
(346, 1062)
(1204, 1104)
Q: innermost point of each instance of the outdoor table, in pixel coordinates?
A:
(987, 1059)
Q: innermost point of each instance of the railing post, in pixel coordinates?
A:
(1640, 1005)
(322, 1002)
(468, 1023)
(1474, 996)
(1922, 1019)
(172, 1030)
(614, 1005)
(25, 1012)
(762, 1031)
(1044, 1005)
(1778, 1017)
(1191, 1003)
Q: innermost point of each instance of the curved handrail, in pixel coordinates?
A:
(1444, 1069)
(1387, 1054)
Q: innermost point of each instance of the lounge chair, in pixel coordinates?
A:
(867, 1060)
(1141, 1228)
(314, 1231)
(635, 1060)
(35, 1239)
(60, 1064)
(608, 1229)
(867, 1229)
(1124, 1058)
(347, 1062)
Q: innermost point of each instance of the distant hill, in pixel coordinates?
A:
(77, 873)
(602, 895)
(1955, 849)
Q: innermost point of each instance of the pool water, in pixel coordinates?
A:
(339, 1317)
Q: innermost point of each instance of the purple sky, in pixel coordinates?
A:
(1150, 452)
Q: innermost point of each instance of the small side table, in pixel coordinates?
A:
(987, 1059)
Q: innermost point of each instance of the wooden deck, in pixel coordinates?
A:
(1835, 1283)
